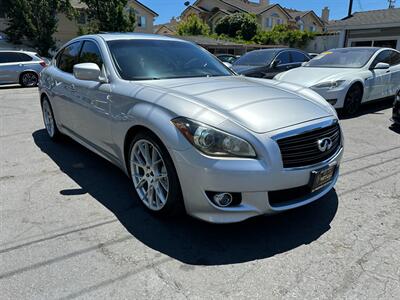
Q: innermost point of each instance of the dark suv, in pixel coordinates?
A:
(269, 62)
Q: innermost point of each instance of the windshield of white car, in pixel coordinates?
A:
(256, 58)
(342, 58)
(163, 59)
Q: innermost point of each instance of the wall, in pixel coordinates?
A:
(322, 43)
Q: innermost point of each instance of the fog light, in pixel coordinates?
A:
(332, 101)
(223, 199)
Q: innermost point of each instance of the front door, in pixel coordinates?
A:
(378, 84)
(10, 67)
(93, 104)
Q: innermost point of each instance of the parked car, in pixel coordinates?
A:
(189, 132)
(269, 62)
(227, 58)
(396, 109)
(21, 67)
(347, 77)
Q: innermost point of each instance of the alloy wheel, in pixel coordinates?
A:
(353, 100)
(48, 118)
(29, 79)
(149, 174)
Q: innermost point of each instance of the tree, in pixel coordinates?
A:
(238, 25)
(284, 35)
(193, 25)
(35, 20)
(110, 15)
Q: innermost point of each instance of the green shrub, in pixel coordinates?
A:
(193, 25)
(238, 25)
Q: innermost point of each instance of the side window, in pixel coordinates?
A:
(395, 58)
(298, 57)
(90, 53)
(383, 57)
(24, 57)
(69, 57)
(9, 57)
(284, 58)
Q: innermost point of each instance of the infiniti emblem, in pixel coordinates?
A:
(325, 144)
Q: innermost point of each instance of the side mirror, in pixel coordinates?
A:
(276, 63)
(87, 71)
(382, 66)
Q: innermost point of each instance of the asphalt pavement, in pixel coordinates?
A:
(71, 226)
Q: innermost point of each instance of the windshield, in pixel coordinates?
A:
(342, 58)
(256, 58)
(158, 59)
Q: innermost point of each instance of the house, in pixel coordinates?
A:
(169, 28)
(379, 28)
(268, 15)
(68, 29)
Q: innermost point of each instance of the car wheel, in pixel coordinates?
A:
(49, 120)
(29, 79)
(154, 176)
(353, 99)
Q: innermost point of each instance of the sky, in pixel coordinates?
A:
(169, 8)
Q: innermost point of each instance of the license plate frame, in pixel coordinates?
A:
(322, 177)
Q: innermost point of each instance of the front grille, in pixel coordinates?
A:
(302, 150)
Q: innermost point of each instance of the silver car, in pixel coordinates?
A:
(191, 134)
(21, 67)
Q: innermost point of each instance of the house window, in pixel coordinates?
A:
(81, 19)
(2, 10)
(141, 21)
(312, 28)
(268, 22)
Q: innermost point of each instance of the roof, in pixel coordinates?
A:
(80, 5)
(256, 8)
(372, 17)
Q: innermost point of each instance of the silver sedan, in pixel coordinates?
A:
(191, 134)
(21, 67)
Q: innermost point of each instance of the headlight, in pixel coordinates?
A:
(212, 141)
(329, 85)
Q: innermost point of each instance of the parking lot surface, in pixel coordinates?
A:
(71, 226)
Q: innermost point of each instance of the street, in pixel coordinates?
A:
(72, 228)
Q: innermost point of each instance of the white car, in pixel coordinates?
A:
(347, 77)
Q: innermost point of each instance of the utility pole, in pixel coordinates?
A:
(392, 3)
(350, 8)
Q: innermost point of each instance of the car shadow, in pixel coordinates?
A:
(373, 107)
(14, 86)
(186, 239)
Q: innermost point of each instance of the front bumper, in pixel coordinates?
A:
(253, 178)
(335, 97)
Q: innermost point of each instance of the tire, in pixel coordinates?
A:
(154, 176)
(49, 120)
(29, 79)
(353, 99)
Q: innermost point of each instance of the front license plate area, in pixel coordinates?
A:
(322, 177)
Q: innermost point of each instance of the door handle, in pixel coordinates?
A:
(73, 88)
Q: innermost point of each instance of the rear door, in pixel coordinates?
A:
(298, 58)
(64, 88)
(395, 72)
(10, 67)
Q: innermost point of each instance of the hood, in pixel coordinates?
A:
(244, 69)
(309, 76)
(258, 104)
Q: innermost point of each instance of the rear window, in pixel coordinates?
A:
(11, 57)
(256, 58)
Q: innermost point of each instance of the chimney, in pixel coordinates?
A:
(173, 21)
(325, 14)
(264, 2)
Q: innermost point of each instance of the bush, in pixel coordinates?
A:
(238, 25)
(193, 25)
(283, 35)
